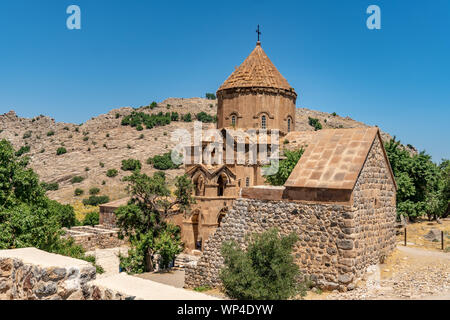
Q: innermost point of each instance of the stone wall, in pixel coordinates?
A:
(374, 218)
(338, 241)
(98, 237)
(32, 274)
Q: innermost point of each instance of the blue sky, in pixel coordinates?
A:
(129, 53)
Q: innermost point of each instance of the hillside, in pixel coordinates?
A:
(102, 143)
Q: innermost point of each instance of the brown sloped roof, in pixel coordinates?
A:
(333, 158)
(256, 71)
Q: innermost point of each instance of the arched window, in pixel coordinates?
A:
(233, 120)
(289, 124)
(263, 122)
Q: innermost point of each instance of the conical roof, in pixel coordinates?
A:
(256, 71)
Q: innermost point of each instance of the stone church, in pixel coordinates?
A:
(340, 198)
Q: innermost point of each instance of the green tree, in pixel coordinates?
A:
(285, 167)
(131, 165)
(91, 219)
(27, 217)
(264, 271)
(419, 182)
(144, 221)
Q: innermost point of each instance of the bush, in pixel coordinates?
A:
(162, 162)
(50, 186)
(174, 116)
(22, 150)
(77, 179)
(204, 117)
(60, 151)
(50, 133)
(111, 173)
(187, 117)
(131, 165)
(94, 191)
(315, 123)
(27, 135)
(139, 119)
(265, 271)
(91, 219)
(95, 200)
(78, 192)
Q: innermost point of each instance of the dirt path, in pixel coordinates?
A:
(408, 274)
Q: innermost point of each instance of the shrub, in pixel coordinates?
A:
(111, 173)
(315, 123)
(102, 165)
(50, 133)
(60, 151)
(50, 186)
(117, 115)
(64, 213)
(93, 191)
(27, 135)
(85, 138)
(77, 179)
(95, 200)
(22, 150)
(334, 114)
(162, 162)
(204, 117)
(139, 119)
(174, 116)
(187, 117)
(265, 271)
(153, 105)
(131, 165)
(210, 96)
(78, 192)
(91, 219)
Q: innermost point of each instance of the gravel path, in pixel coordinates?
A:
(409, 274)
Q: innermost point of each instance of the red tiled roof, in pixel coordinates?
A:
(333, 158)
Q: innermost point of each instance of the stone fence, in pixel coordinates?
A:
(32, 274)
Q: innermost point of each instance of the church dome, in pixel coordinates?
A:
(257, 71)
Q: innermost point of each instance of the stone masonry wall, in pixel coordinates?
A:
(337, 241)
(374, 201)
(24, 280)
(319, 226)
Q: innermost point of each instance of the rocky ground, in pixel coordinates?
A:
(409, 274)
(101, 143)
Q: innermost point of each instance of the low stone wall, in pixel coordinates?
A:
(326, 250)
(32, 274)
(98, 237)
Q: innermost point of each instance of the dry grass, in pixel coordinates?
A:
(416, 231)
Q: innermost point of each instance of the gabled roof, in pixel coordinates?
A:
(333, 158)
(256, 71)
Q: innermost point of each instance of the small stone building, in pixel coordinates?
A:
(340, 200)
